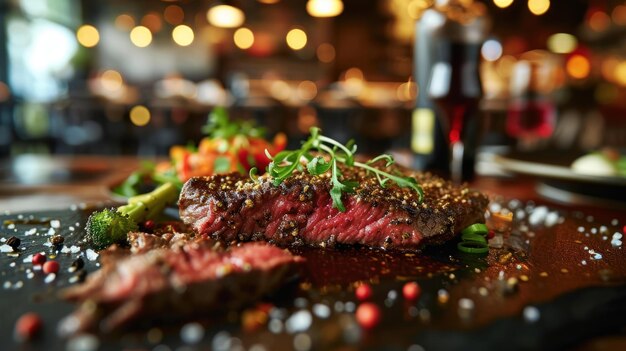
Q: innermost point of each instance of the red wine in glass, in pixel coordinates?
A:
(456, 88)
(532, 118)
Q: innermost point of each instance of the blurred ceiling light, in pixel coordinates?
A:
(225, 16)
(140, 115)
(562, 43)
(243, 38)
(324, 8)
(538, 7)
(111, 80)
(88, 36)
(325, 53)
(124, 21)
(599, 21)
(152, 21)
(620, 73)
(296, 39)
(307, 90)
(578, 66)
(619, 15)
(174, 14)
(503, 3)
(183, 35)
(416, 8)
(268, 1)
(141, 36)
(491, 50)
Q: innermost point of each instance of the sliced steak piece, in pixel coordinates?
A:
(168, 284)
(299, 211)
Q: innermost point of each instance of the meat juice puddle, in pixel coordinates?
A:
(458, 291)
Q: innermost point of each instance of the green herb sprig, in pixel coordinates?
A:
(286, 162)
(219, 125)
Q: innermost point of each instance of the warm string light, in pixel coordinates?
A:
(578, 66)
(296, 39)
(141, 36)
(324, 8)
(183, 35)
(538, 7)
(140, 115)
(88, 36)
(225, 16)
(503, 3)
(243, 38)
(562, 43)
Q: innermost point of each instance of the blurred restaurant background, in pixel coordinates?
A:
(118, 77)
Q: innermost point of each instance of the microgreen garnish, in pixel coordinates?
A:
(219, 125)
(286, 162)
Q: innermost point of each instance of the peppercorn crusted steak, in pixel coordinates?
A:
(170, 279)
(299, 211)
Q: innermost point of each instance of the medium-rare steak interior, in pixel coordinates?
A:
(170, 278)
(300, 211)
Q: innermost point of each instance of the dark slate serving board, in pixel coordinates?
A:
(571, 287)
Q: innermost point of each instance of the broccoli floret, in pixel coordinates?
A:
(111, 225)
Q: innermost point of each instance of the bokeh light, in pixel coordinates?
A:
(578, 66)
(491, 50)
(141, 36)
(5, 93)
(140, 115)
(562, 43)
(296, 39)
(124, 21)
(111, 80)
(620, 73)
(88, 36)
(152, 21)
(599, 21)
(619, 15)
(307, 90)
(174, 14)
(225, 16)
(183, 35)
(324, 8)
(243, 38)
(326, 53)
(503, 3)
(538, 7)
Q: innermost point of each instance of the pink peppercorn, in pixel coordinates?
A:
(363, 292)
(491, 234)
(51, 267)
(28, 326)
(38, 259)
(411, 291)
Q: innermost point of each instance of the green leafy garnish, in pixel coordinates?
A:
(219, 125)
(286, 162)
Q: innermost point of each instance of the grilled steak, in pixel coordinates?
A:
(168, 283)
(299, 211)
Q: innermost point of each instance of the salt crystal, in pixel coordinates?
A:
(616, 242)
(551, 219)
(495, 207)
(51, 231)
(531, 314)
(594, 230)
(6, 248)
(55, 223)
(91, 255)
(603, 229)
(30, 231)
(30, 275)
(71, 228)
(11, 226)
(83, 342)
(520, 214)
(50, 278)
(616, 235)
(581, 229)
(74, 249)
(48, 244)
(392, 295)
(299, 321)
(65, 249)
(496, 242)
(28, 259)
(597, 256)
(7, 285)
(2, 240)
(584, 263)
(18, 285)
(538, 215)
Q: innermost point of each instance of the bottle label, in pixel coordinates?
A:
(423, 134)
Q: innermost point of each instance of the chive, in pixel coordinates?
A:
(473, 247)
(473, 238)
(476, 228)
